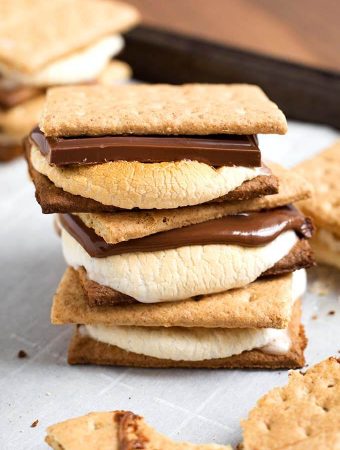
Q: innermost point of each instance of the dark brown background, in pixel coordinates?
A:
(306, 31)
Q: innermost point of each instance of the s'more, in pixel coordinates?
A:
(323, 172)
(47, 43)
(183, 247)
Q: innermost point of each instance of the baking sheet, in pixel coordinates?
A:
(197, 405)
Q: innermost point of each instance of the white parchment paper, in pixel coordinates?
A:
(197, 405)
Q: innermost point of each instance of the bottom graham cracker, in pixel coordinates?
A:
(85, 350)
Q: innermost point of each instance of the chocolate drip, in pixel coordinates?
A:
(246, 229)
(215, 150)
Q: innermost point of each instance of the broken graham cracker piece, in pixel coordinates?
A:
(323, 172)
(85, 350)
(199, 109)
(262, 304)
(301, 256)
(303, 415)
(114, 430)
(47, 31)
(125, 225)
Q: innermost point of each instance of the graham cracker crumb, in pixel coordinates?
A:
(22, 354)
(35, 423)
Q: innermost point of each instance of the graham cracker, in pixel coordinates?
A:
(114, 72)
(125, 225)
(114, 430)
(55, 200)
(85, 350)
(199, 109)
(19, 120)
(323, 172)
(303, 415)
(325, 254)
(301, 256)
(46, 30)
(262, 304)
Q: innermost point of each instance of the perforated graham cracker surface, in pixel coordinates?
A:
(265, 303)
(34, 33)
(304, 415)
(160, 109)
(114, 430)
(122, 226)
(323, 172)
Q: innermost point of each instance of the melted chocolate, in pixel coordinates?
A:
(246, 229)
(215, 150)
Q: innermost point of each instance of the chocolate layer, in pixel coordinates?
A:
(215, 150)
(55, 200)
(247, 229)
(300, 257)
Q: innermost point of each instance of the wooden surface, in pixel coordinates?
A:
(305, 31)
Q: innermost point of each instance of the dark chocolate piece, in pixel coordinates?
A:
(247, 229)
(215, 150)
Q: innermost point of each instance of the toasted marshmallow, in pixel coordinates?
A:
(177, 274)
(190, 344)
(134, 184)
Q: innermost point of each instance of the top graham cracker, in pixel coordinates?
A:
(34, 33)
(195, 109)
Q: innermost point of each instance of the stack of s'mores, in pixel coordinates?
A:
(46, 43)
(182, 244)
